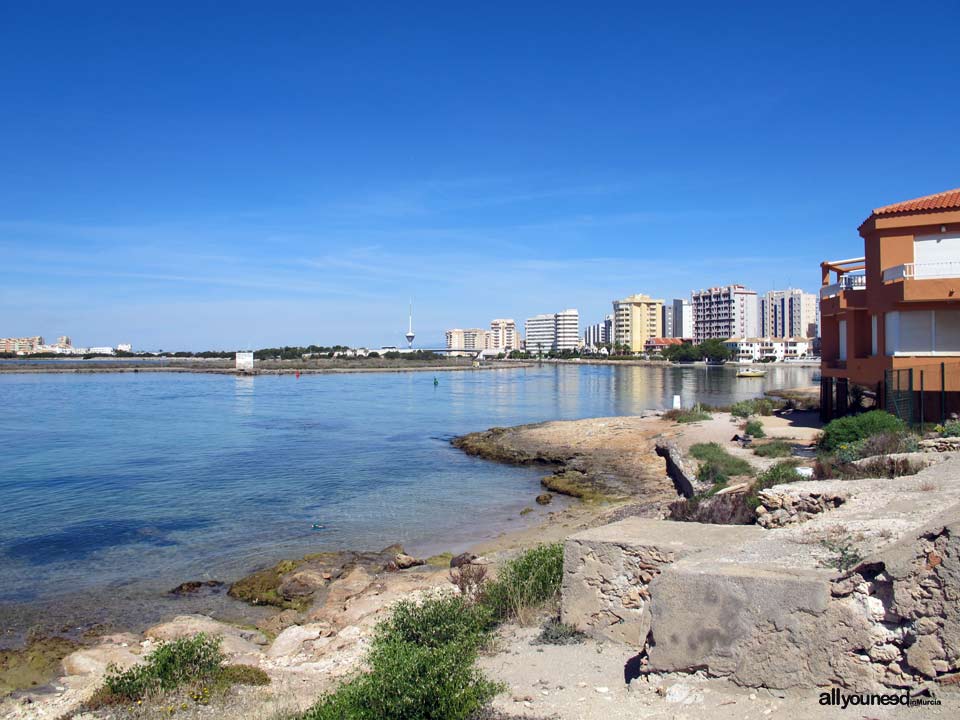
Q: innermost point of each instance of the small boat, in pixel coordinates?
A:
(751, 373)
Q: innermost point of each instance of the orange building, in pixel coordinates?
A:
(890, 320)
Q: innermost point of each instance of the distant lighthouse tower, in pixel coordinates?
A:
(410, 334)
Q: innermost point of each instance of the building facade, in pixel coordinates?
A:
(599, 334)
(890, 320)
(636, 319)
(769, 349)
(724, 312)
(22, 345)
(469, 339)
(789, 313)
(680, 313)
(503, 336)
(553, 331)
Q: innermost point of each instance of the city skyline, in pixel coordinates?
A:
(303, 192)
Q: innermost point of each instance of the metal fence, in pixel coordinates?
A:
(923, 394)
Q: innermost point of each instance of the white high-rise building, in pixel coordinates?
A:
(553, 331)
(724, 312)
(789, 313)
(541, 333)
(599, 334)
(568, 330)
(503, 335)
(681, 315)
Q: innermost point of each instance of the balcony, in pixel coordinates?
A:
(844, 282)
(923, 271)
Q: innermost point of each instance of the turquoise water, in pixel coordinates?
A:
(113, 480)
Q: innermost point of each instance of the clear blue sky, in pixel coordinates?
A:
(247, 174)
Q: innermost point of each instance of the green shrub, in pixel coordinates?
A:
(433, 624)
(774, 449)
(410, 682)
(688, 416)
(525, 583)
(722, 462)
(170, 666)
(757, 406)
(779, 474)
(851, 429)
(754, 428)
(951, 428)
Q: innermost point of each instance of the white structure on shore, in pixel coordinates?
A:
(770, 349)
(724, 312)
(553, 331)
(244, 361)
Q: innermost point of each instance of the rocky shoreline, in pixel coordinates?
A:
(610, 459)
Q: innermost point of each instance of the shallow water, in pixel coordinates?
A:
(124, 480)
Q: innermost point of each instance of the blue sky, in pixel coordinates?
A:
(202, 175)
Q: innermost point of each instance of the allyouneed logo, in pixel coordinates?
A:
(843, 700)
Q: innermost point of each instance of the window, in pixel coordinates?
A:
(843, 340)
(873, 335)
(922, 332)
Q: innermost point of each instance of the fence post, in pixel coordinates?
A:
(943, 392)
(922, 416)
(910, 394)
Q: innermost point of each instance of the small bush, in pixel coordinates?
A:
(779, 474)
(774, 449)
(757, 406)
(889, 443)
(435, 623)
(170, 666)
(242, 675)
(844, 555)
(524, 583)
(408, 682)
(555, 632)
(951, 428)
(722, 462)
(687, 416)
(754, 428)
(852, 429)
(470, 579)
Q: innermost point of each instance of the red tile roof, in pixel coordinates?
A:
(941, 201)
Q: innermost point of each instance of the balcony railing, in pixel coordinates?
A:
(847, 282)
(923, 271)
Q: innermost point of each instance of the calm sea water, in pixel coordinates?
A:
(108, 480)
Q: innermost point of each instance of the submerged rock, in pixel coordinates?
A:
(196, 587)
(544, 499)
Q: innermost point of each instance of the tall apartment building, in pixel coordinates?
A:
(599, 334)
(666, 312)
(470, 339)
(681, 319)
(789, 313)
(503, 335)
(21, 344)
(636, 319)
(731, 311)
(553, 331)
